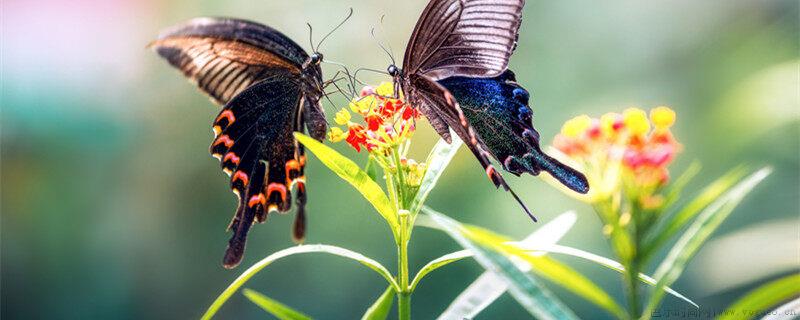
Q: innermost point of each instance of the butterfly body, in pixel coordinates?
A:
(498, 108)
(268, 87)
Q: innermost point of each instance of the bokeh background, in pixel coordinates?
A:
(112, 207)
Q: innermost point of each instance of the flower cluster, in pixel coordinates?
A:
(627, 148)
(387, 121)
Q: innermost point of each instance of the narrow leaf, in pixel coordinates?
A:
(310, 248)
(605, 262)
(379, 310)
(275, 308)
(700, 230)
(490, 286)
(350, 172)
(438, 263)
(523, 287)
(437, 161)
(789, 309)
(760, 300)
(550, 269)
(676, 222)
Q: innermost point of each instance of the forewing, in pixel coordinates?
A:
(224, 56)
(473, 38)
(257, 149)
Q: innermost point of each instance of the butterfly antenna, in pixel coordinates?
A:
(388, 43)
(387, 51)
(311, 37)
(349, 14)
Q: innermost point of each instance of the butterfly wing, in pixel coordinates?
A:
(473, 38)
(256, 147)
(257, 74)
(498, 110)
(426, 93)
(224, 56)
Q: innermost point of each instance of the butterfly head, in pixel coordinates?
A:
(393, 71)
(315, 59)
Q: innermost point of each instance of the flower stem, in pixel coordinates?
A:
(632, 289)
(404, 296)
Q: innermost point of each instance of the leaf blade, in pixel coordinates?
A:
(537, 300)
(437, 161)
(379, 310)
(489, 286)
(350, 172)
(275, 308)
(763, 297)
(699, 231)
(309, 248)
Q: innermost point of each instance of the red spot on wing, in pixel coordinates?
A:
(257, 199)
(227, 115)
(232, 157)
(490, 172)
(239, 175)
(277, 187)
(223, 139)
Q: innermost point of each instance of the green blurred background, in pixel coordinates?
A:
(113, 208)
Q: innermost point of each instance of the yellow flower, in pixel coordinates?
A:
(609, 123)
(336, 134)
(363, 105)
(342, 117)
(386, 89)
(575, 127)
(636, 121)
(662, 117)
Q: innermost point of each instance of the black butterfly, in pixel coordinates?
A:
(269, 87)
(462, 38)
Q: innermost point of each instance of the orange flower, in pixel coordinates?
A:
(641, 147)
(387, 122)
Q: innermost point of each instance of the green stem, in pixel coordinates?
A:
(404, 296)
(632, 290)
(400, 176)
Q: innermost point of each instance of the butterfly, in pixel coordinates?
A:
(268, 87)
(470, 39)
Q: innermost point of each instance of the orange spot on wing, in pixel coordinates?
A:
(223, 139)
(226, 114)
(239, 175)
(257, 199)
(292, 165)
(232, 157)
(490, 172)
(279, 188)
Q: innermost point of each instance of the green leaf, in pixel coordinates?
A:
(550, 269)
(350, 172)
(676, 222)
(699, 231)
(764, 297)
(275, 308)
(605, 262)
(380, 309)
(537, 300)
(490, 286)
(310, 248)
(437, 161)
(438, 263)
(791, 308)
(675, 188)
